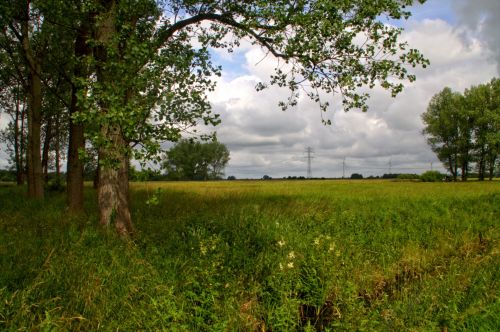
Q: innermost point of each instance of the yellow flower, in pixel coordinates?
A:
(290, 265)
(291, 255)
(281, 243)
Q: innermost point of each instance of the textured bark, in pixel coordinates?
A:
(112, 191)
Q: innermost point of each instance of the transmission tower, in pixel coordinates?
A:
(309, 152)
(343, 169)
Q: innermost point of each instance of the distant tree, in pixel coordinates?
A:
(483, 103)
(432, 176)
(194, 160)
(356, 176)
(231, 177)
(13, 103)
(441, 127)
(266, 177)
(463, 129)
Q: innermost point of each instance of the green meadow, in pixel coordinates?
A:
(257, 256)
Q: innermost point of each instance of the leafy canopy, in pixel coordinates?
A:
(153, 64)
(194, 160)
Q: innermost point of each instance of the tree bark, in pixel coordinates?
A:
(74, 192)
(113, 189)
(46, 149)
(76, 131)
(22, 168)
(35, 174)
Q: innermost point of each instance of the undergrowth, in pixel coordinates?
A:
(257, 256)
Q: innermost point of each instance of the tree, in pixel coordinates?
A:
(194, 160)
(13, 103)
(483, 103)
(441, 120)
(144, 75)
(464, 128)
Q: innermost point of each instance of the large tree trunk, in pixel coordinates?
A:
(112, 191)
(76, 131)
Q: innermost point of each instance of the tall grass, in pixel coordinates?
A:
(257, 255)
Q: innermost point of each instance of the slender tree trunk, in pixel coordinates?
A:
(76, 131)
(491, 167)
(57, 149)
(22, 168)
(113, 186)
(17, 152)
(452, 170)
(35, 174)
(482, 164)
(46, 149)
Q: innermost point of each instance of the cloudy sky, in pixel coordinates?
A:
(459, 37)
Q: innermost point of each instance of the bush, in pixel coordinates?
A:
(356, 176)
(408, 177)
(432, 176)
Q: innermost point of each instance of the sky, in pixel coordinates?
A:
(459, 37)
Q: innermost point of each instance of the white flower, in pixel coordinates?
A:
(281, 243)
(291, 255)
(290, 265)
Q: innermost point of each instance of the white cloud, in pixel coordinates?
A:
(265, 140)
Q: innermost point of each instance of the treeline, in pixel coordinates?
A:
(463, 129)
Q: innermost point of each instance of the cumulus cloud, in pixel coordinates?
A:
(481, 19)
(265, 140)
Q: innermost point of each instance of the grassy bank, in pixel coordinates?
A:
(257, 255)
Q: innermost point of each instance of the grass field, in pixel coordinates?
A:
(258, 256)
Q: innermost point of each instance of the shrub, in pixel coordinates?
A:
(432, 176)
(408, 177)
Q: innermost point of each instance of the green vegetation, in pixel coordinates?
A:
(257, 255)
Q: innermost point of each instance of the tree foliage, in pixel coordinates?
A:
(139, 70)
(464, 129)
(194, 160)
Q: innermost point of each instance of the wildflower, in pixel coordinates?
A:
(332, 247)
(290, 265)
(291, 255)
(281, 243)
(316, 241)
(281, 266)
